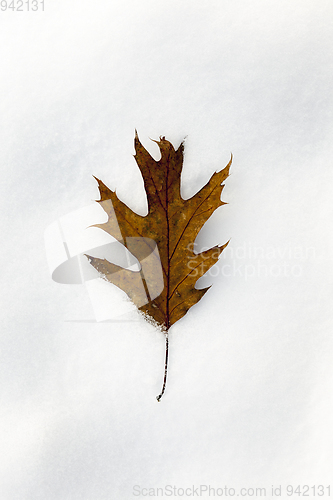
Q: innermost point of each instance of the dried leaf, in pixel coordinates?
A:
(163, 240)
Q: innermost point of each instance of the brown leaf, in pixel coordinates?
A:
(162, 241)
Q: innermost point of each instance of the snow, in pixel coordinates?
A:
(249, 394)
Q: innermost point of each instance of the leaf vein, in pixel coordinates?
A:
(193, 215)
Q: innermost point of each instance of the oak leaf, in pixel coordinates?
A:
(164, 288)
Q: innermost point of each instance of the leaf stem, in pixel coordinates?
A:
(165, 366)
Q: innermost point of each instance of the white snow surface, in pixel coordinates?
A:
(249, 394)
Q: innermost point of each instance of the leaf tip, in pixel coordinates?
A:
(222, 247)
(136, 140)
